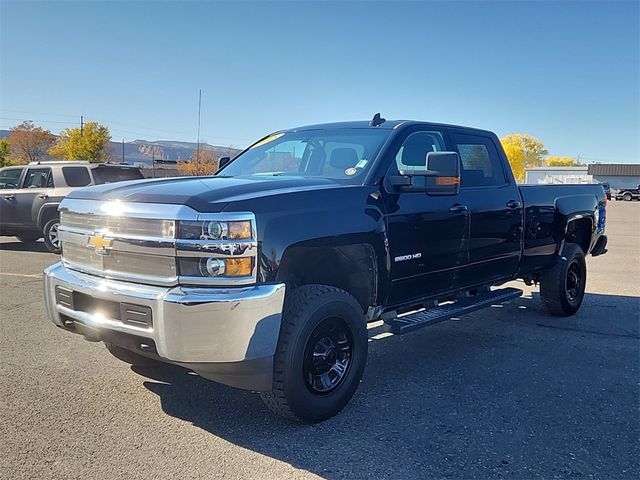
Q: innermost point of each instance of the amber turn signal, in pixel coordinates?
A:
(238, 267)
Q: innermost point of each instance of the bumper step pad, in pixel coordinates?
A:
(461, 306)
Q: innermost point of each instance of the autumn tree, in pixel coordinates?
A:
(5, 150)
(90, 143)
(28, 142)
(523, 151)
(204, 162)
(562, 162)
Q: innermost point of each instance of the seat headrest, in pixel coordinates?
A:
(415, 154)
(343, 158)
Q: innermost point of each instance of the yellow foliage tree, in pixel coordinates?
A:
(203, 163)
(515, 155)
(562, 162)
(91, 143)
(523, 151)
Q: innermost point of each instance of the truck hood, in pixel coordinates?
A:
(204, 194)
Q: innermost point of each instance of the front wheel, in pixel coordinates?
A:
(627, 197)
(52, 236)
(562, 287)
(321, 354)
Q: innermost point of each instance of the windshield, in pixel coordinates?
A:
(340, 154)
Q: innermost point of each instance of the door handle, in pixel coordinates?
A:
(513, 204)
(10, 196)
(458, 208)
(44, 195)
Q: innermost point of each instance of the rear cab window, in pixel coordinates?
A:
(10, 178)
(106, 174)
(76, 176)
(480, 163)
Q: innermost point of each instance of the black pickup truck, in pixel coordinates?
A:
(265, 276)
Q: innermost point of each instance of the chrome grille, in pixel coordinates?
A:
(118, 226)
(118, 262)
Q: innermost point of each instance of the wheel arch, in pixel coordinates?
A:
(46, 213)
(580, 232)
(352, 268)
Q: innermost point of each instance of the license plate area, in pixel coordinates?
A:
(128, 313)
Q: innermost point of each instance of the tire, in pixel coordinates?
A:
(28, 237)
(321, 354)
(627, 197)
(562, 287)
(51, 238)
(130, 357)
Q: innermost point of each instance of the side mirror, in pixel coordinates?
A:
(440, 177)
(223, 162)
(444, 173)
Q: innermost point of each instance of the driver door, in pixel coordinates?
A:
(428, 235)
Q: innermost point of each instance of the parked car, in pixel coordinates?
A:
(30, 195)
(628, 194)
(607, 190)
(265, 275)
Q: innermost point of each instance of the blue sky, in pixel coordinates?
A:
(565, 72)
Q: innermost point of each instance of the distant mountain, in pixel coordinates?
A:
(166, 151)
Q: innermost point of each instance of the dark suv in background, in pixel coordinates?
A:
(30, 195)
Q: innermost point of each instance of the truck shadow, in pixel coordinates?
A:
(505, 391)
(18, 246)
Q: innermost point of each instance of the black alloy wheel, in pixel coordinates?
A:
(327, 356)
(573, 283)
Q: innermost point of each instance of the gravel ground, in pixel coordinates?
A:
(504, 392)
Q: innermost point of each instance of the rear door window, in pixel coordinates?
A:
(38, 178)
(76, 176)
(481, 165)
(10, 178)
(115, 174)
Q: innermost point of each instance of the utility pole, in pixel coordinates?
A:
(123, 150)
(153, 161)
(81, 125)
(198, 144)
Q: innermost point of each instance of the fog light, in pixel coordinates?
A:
(212, 267)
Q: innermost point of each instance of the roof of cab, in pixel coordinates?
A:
(387, 125)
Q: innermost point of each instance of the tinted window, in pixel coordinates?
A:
(481, 164)
(38, 178)
(115, 174)
(10, 177)
(76, 176)
(412, 156)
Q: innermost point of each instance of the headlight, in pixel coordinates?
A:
(215, 230)
(211, 267)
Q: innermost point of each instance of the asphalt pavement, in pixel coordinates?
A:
(503, 392)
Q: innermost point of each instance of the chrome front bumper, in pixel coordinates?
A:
(220, 333)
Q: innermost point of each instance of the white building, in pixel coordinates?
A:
(557, 175)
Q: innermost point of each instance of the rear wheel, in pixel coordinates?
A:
(562, 287)
(320, 356)
(52, 236)
(627, 197)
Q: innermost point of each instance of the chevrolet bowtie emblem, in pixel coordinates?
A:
(100, 243)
